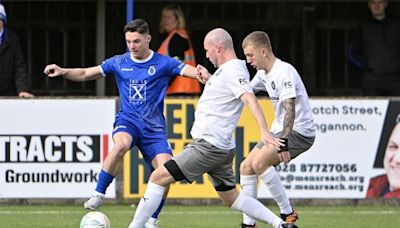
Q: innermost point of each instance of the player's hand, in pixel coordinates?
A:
(53, 70)
(284, 156)
(268, 138)
(25, 95)
(202, 74)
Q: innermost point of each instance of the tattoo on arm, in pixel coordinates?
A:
(290, 114)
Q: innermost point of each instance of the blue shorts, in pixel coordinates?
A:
(150, 141)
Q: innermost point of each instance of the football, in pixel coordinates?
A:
(95, 219)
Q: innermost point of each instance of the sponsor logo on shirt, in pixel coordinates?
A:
(243, 81)
(274, 99)
(118, 127)
(137, 91)
(126, 69)
(288, 84)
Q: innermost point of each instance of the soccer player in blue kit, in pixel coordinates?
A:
(142, 77)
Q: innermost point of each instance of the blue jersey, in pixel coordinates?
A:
(142, 84)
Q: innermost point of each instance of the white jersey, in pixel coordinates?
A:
(219, 107)
(281, 83)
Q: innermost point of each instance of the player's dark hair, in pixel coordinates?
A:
(137, 25)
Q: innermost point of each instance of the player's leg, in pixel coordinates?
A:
(124, 136)
(223, 181)
(243, 203)
(110, 168)
(298, 144)
(248, 184)
(156, 151)
(260, 159)
(262, 164)
(158, 161)
(187, 165)
(159, 180)
(176, 169)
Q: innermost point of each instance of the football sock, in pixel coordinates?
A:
(248, 184)
(155, 214)
(104, 181)
(148, 204)
(273, 182)
(255, 209)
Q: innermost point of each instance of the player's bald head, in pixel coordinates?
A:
(219, 36)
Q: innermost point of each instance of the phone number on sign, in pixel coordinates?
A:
(315, 168)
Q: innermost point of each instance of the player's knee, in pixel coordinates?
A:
(121, 148)
(258, 166)
(160, 176)
(245, 167)
(155, 176)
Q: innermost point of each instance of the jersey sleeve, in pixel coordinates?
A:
(288, 84)
(257, 83)
(238, 81)
(176, 66)
(107, 66)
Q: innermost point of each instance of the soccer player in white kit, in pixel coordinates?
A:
(142, 77)
(293, 123)
(212, 149)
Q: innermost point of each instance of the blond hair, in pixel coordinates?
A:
(178, 13)
(257, 39)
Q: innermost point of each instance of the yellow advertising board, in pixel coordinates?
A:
(179, 114)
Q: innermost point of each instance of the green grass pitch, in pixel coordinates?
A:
(174, 216)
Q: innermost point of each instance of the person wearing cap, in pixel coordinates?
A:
(14, 80)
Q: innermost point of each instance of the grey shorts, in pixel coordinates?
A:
(201, 157)
(297, 143)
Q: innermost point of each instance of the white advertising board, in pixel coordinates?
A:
(340, 163)
(53, 148)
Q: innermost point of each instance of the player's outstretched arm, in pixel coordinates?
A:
(193, 72)
(250, 100)
(73, 74)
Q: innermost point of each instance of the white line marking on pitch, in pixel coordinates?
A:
(199, 212)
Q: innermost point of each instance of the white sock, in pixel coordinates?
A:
(255, 209)
(96, 193)
(148, 204)
(273, 182)
(248, 184)
(152, 220)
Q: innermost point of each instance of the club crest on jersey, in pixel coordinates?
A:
(151, 71)
(273, 85)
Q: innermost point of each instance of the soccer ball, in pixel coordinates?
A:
(95, 219)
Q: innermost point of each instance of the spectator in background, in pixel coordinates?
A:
(177, 44)
(14, 80)
(376, 50)
(388, 185)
